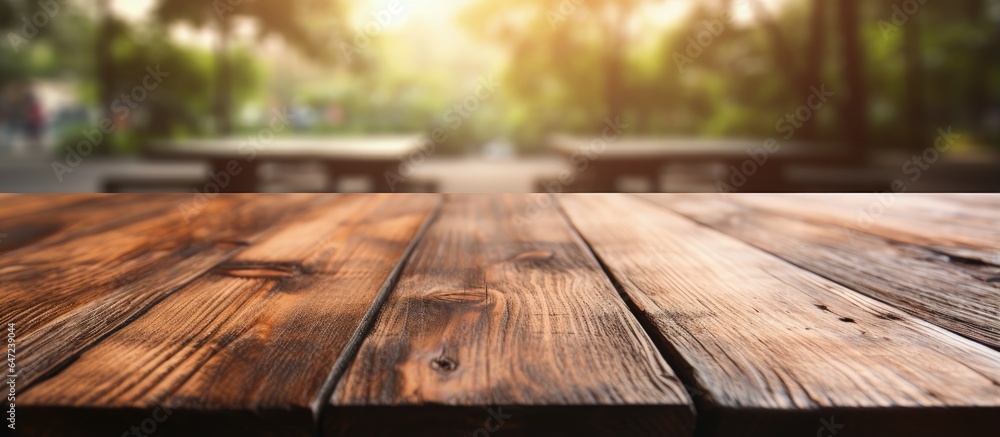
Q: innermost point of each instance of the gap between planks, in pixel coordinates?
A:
(368, 320)
(553, 340)
(256, 258)
(920, 280)
(729, 401)
(669, 353)
(62, 325)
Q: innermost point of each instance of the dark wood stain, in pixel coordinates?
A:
(225, 341)
(469, 327)
(311, 315)
(769, 363)
(950, 291)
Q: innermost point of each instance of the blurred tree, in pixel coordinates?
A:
(780, 49)
(914, 91)
(984, 54)
(556, 43)
(10, 67)
(107, 31)
(853, 115)
(567, 67)
(615, 21)
(812, 74)
(15, 17)
(289, 19)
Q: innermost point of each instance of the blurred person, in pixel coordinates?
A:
(8, 124)
(334, 114)
(34, 121)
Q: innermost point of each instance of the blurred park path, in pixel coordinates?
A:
(477, 174)
(453, 175)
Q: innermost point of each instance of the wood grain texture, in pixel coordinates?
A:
(247, 348)
(13, 205)
(958, 296)
(773, 349)
(69, 217)
(520, 318)
(965, 226)
(66, 296)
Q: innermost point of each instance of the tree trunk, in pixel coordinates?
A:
(613, 62)
(853, 116)
(223, 82)
(813, 72)
(915, 107)
(978, 91)
(780, 50)
(104, 57)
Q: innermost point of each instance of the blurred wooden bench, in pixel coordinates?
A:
(151, 183)
(601, 164)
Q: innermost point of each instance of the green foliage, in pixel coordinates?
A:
(738, 85)
(566, 65)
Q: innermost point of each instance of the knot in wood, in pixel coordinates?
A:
(535, 256)
(259, 270)
(444, 364)
(476, 294)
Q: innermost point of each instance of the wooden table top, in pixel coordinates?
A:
(512, 314)
(362, 148)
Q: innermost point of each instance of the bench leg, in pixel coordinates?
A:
(379, 182)
(769, 178)
(242, 175)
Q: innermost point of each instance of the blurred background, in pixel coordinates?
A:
(499, 95)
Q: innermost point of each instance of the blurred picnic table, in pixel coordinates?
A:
(237, 160)
(760, 163)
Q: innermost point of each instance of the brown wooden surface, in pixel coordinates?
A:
(757, 333)
(964, 226)
(259, 334)
(913, 278)
(66, 221)
(68, 295)
(16, 204)
(368, 314)
(489, 313)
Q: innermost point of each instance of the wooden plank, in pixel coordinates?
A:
(65, 272)
(910, 218)
(987, 201)
(249, 347)
(520, 318)
(66, 296)
(14, 205)
(961, 297)
(773, 349)
(64, 218)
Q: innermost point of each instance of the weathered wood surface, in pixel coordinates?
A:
(254, 340)
(965, 226)
(13, 205)
(66, 219)
(68, 295)
(773, 349)
(367, 314)
(521, 319)
(960, 296)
